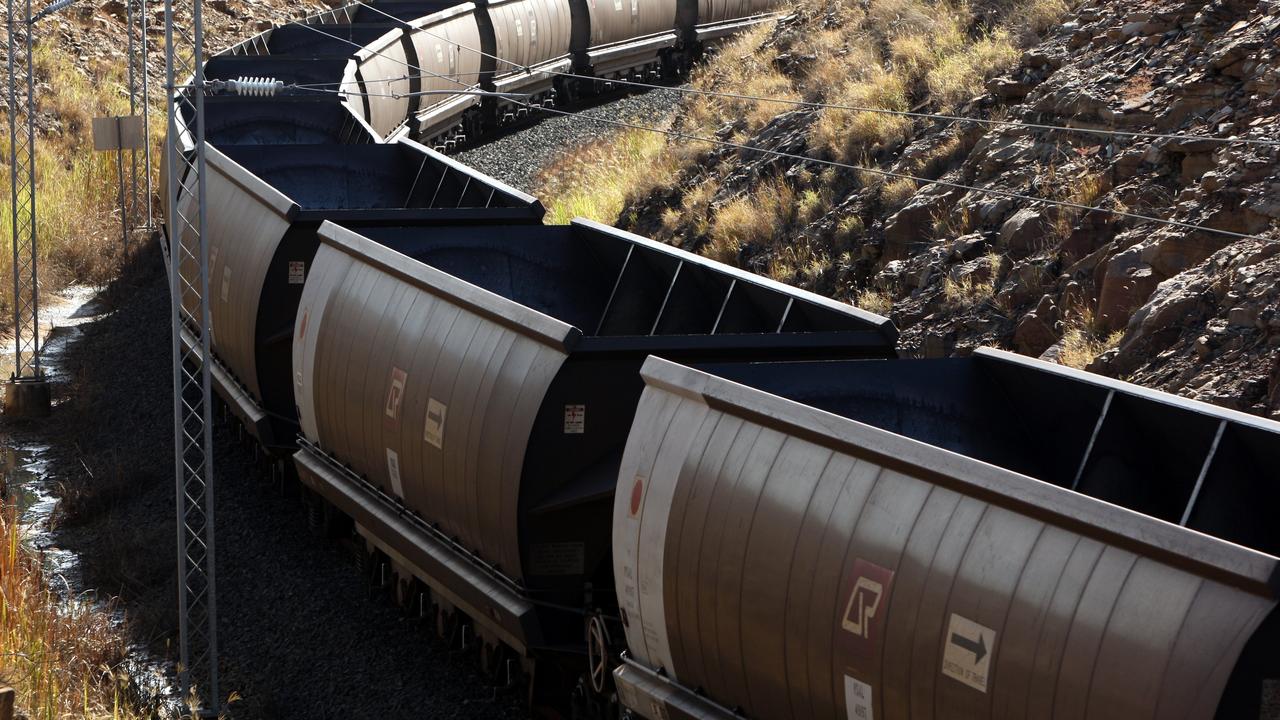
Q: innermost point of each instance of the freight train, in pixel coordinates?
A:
(644, 483)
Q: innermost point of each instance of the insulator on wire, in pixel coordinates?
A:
(255, 86)
(50, 9)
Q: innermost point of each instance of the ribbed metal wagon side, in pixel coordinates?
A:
(265, 205)
(425, 371)
(849, 540)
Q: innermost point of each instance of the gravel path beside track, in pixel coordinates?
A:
(299, 635)
(516, 158)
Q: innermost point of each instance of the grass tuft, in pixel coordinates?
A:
(874, 301)
(63, 657)
(1081, 344)
(596, 180)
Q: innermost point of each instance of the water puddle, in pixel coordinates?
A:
(26, 478)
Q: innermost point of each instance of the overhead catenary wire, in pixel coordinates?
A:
(419, 93)
(832, 163)
(409, 65)
(1132, 134)
(921, 180)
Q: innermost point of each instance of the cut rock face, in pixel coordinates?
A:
(1206, 72)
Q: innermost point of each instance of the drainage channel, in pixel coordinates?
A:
(24, 460)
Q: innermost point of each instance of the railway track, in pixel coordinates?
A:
(805, 525)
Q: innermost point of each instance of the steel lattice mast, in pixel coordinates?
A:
(189, 288)
(22, 182)
(139, 102)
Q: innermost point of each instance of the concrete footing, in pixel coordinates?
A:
(27, 398)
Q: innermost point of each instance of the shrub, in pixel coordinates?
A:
(596, 180)
(874, 301)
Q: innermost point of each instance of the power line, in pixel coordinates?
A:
(938, 116)
(854, 108)
(409, 65)
(420, 93)
(831, 163)
(904, 176)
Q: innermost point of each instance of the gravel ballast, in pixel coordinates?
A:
(516, 157)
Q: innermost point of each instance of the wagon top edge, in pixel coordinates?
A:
(536, 325)
(1253, 570)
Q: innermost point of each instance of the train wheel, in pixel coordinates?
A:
(597, 655)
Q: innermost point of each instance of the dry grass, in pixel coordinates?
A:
(77, 214)
(1080, 347)
(1084, 189)
(847, 134)
(874, 301)
(850, 227)
(800, 263)
(897, 192)
(742, 68)
(1033, 17)
(969, 291)
(596, 180)
(1081, 344)
(895, 55)
(63, 657)
(754, 219)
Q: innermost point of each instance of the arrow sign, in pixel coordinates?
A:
(966, 654)
(977, 647)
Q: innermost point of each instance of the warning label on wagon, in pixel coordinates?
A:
(857, 699)
(575, 419)
(433, 428)
(967, 654)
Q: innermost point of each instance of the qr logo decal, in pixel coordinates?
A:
(862, 619)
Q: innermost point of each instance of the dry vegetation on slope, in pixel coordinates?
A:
(1185, 310)
(61, 656)
(80, 67)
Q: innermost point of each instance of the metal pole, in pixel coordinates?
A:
(31, 188)
(133, 110)
(22, 181)
(15, 208)
(193, 422)
(124, 210)
(146, 106)
(139, 103)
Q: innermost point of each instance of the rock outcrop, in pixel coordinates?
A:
(1188, 304)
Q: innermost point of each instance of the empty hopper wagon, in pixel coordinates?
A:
(968, 538)
(265, 204)
(465, 394)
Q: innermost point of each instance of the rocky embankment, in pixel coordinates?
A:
(1188, 310)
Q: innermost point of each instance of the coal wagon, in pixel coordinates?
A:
(265, 204)
(465, 393)
(987, 537)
